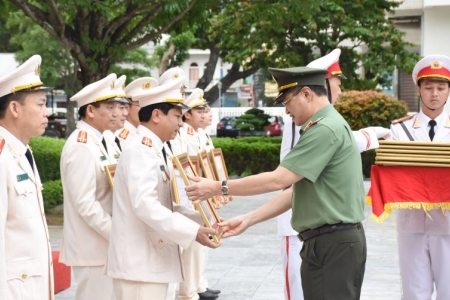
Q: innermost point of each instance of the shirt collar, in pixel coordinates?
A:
(150, 134)
(87, 127)
(16, 143)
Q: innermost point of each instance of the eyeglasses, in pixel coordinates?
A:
(286, 101)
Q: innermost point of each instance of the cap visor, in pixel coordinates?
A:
(121, 100)
(182, 105)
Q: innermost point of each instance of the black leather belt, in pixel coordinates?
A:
(309, 234)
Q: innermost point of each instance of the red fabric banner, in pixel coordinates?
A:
(399, 187)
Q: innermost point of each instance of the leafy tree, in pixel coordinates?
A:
(61, 69)
(99, 34)
(259, 34)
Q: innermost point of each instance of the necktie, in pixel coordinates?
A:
(30, 158)
(118, 143)
(104, 144)
(164, 154)
(170, 146)
(432, 123)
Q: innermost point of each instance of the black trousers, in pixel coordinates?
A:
(333, 265)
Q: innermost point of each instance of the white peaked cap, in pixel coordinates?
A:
(140, 86)
(329, 62)
(169, 91)
(119, 88)
(25, 77)
(196, 99)
(168, 74)
(102, 90)
(434, 66)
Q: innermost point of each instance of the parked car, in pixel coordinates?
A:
(275, 128)
(226, 127)
(56, 127)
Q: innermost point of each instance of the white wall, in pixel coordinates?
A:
(435, 24)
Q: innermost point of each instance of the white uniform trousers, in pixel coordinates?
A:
(192, 261)
(92, 284)
(203, 283)
(171, 291)
(424, 261)
(290, 253)
(139, 290)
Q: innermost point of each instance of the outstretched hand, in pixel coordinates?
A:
(203, 237)
(381, 132)
(234, 226)
(202, 189)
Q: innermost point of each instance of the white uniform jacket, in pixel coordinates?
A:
(26, 268)
(146, 231)
(415, 220)
(205, 140)
(126, 133)
(113, 149)
(192, 139)
(87, 198)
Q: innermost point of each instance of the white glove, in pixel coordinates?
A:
(381, 132)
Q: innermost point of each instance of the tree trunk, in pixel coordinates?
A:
(166, 58)
(232, 76)
(258, 88)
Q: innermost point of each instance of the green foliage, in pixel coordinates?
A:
(248, 156)
(369, 108)
(253, 119)
(52, 194)
(47, 154)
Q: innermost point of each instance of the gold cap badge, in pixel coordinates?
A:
(147, 85)
(37, 70)
(436, 64)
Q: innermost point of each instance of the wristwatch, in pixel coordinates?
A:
(224, 188)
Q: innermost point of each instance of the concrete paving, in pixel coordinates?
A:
(248, 267)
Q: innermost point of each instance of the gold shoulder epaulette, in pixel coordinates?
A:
(402, 119)
(312, 123)
(147, 141)
(2, 144)
(124, 134)
(82, 137)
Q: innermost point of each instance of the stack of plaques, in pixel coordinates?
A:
(422, 154)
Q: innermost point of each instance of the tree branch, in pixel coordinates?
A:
(148, 37)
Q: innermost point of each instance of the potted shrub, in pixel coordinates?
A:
(252, 123)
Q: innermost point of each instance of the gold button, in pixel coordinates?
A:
(24, 276)
(160, 242)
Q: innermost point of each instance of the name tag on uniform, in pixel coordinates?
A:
(102, 158)
(116, 156)
(22, 177)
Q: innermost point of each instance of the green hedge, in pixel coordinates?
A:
(247, 156)
(52, 194)
(369, 108)
(47, 153)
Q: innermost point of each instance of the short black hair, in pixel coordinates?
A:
(421, 79)
(319, 90)
(82, 110)
(145, 112)
(5, 100)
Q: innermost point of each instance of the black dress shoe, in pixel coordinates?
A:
(207, 296)
(217, 292)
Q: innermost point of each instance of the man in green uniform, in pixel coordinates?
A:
(327, 194)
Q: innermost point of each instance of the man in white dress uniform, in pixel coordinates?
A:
(147, 227)
(424, 241)
(87, 194)
(26, 267)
